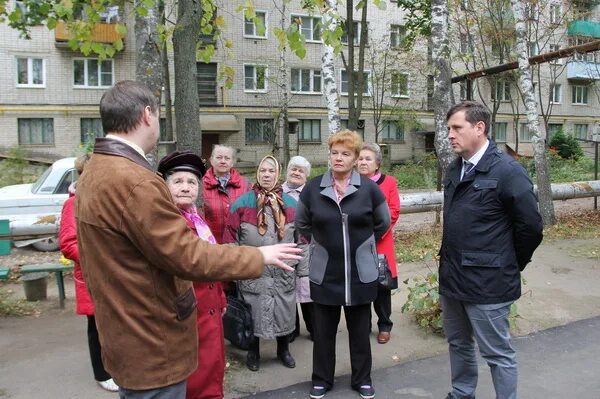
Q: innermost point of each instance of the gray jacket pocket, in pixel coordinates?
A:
(366, 261)
(480, 259)
(317, 263)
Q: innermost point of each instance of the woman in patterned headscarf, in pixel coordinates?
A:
(265, 216)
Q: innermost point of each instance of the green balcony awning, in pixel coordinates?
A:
(584, 28)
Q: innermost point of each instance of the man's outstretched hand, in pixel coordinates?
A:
(276, 254)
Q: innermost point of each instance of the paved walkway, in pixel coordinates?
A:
(562, 362)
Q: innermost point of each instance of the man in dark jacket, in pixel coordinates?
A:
(491, 228)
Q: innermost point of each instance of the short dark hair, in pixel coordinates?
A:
(121, 107)
(474, 112)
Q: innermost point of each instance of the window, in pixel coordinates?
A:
(553, 48)
(580, 95)
(393, 131)
(164, 136)
(90, 129)
(532, 11)
(576, 41)
(255, 78)
(31, 72)
(501, 48)
(206, 81)
(555, 13)
(553, 128)
(36, 131)
(259, 130)
(257, 27)
(90, 72)
(310, 27)
(499, 131)
(357, 33)
(397, 36)
(310, 130)
(555, 94)
(524, 133)
(533, 49)
(306, 80)
(360, 126)
(344, 80)
(464, 90)
(581, 131)
(399, 84)
(466, 43)
(502, 92)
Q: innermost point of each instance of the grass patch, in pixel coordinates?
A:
(578, 224)
(10, 306)
(418, 246)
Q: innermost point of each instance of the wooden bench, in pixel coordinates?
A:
(4, 273)
(57, 269)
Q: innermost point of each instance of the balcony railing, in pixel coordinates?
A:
(583, 70)
(584, 28)
(103, 33)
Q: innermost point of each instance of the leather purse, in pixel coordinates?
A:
(385, 279)
(237, 320)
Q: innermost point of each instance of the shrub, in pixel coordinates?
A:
(424, 302)
(566, 145)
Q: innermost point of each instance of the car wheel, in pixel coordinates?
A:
(47, 245)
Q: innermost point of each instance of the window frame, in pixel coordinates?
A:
(553, 48)
(385, 132)
(255, 34)
(505, 132)
(407, 82)
(368, 87)
(584, 94)
(553, 93)
(312, 18)
(311, 81)
(523, 126)
(255, 77)
(401, 38)
(357, 37)
(506, 94)
(311, 140)
(31, 144)
(30, 83)
(81, 133)
(577, 132)
(555, 13)
(263, 139)
(86, 74)
(556, 127)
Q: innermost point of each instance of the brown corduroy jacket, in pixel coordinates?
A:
(138, 255)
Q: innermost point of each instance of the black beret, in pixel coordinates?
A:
(182, 161)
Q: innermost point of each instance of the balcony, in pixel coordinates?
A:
(103, 33)
(584, 28)
(583, 70)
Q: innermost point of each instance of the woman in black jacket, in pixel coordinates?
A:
(343, 214)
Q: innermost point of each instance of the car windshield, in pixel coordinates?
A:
(36, 186)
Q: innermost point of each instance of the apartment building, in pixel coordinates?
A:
(50, 96)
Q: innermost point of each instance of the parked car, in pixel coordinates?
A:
(34, 209)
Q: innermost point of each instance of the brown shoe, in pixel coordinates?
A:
(383, 337)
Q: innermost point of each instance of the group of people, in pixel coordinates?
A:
(156, 270)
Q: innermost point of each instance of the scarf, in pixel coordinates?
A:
(202, 229)
(272, 198)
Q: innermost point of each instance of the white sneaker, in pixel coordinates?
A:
(109, 385)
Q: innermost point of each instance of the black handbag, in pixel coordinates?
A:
(385, 279)
(237, 320)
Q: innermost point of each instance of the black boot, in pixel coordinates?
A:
(253, 357)
(283, 352)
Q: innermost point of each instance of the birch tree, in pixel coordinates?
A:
(531, 106)
(330, 91)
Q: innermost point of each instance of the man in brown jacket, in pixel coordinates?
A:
(138, 255)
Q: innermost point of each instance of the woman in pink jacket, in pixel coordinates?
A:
(67, 236)
(368, 164)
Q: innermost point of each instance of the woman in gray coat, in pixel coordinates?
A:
(266, 215)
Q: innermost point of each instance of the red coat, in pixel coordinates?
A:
(206, 382)
(67, 237)
(389, 187)
(217, 201)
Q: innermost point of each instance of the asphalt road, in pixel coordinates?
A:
(561, 362)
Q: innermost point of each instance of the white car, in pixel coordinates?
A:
(34, 209)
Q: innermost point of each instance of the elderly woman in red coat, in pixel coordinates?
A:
(67, 236)
(183, 172)
(368, 164)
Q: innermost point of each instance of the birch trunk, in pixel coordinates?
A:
(442, 87)
(330, 21)
(187, 104)
(539, 150)
(148, 65)
(284, 137)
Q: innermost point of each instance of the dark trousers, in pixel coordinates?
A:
(283, 345)
(326, 319)
(100, 374)
(307, 315)
(175, 391)
(383, 309)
